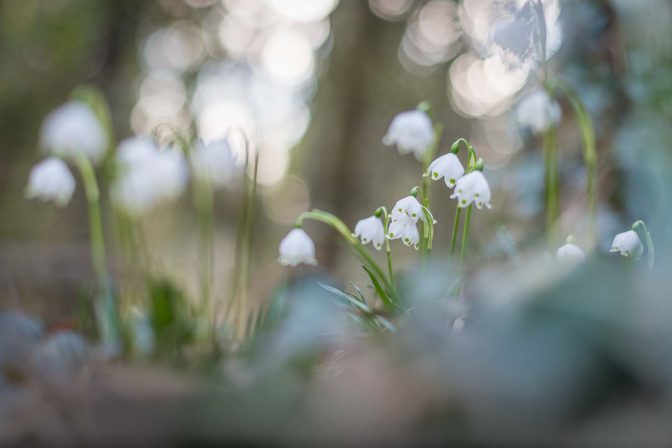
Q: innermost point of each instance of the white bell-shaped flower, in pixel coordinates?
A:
(628, 244)
(406, 230)
(370, 230)
(51, 180)
(410, 131)
(74, 129)
(447, 167)
(472, 188)
(570, 252)
(213, 162)
(407, 208)
(297, 248)
(538, 111)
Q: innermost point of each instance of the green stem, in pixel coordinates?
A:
(204, 201)
(388, 253)
(552, 189)
(465, 233)
(453, 236)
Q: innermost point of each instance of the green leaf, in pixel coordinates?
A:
(389, 303)
(349, 298)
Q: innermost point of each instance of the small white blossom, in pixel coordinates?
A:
(407, 208)
(472, 187)
(570, 252)
(538, 111)
(51, 180)
(371, 229)
(406, 230)
(148, 175)
(447, 167)
(410, 131)
(297, 248)
(74, 129)
(213, 163)
(628, 244)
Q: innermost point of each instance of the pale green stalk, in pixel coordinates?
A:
(453, 236)
(465, 233)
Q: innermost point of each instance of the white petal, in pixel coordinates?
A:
(73, 128)
(51, 180)
(297, 248)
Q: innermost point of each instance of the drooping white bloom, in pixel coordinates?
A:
(447, 167)
(406, 230)
(74, 129)
(148, 175)
(51, 180)
(472, 188)
(407, 208)
(538, 111)
(628, 244)
(213, 162)
(371, 229)
(410, 131)
(297, 248)
(571, 253)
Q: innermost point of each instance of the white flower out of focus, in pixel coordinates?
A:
(51, 180)
(406, 230)
(297, 248)
(538, 111)
(410, 131)
(570, 252)
(371, 230)
(74, 129)
(148, 175)
(407, 208)
(213, 162)
(447, 167)
(472, 188)
(628, 244)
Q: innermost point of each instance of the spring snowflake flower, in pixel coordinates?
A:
(570, 252)
(213, 163)
(410, 131)
(74, 129)
(149, 175)
(406, 230)
(447, 167)
(51, 180)
(538, 111)
(628, 244)
(370, 229)
(407, 208)
(472, 188)
(297, 248)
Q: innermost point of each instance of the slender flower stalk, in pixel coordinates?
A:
(456, 224)
(465, 233)
(382, 213)
(551, 180)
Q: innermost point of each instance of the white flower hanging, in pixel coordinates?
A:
(570, 252)
(407, 208)
(447, 167)
(51, 180)
(628, 244)
(370, 230)
(538, 111)
(297, 248)
(472, 188)
(406, 230)
(410, 131)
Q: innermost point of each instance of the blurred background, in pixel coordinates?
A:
(315, 83)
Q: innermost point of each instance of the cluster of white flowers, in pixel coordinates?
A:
(410, 131)
(404, 218)
(148, 175)
(538, 111)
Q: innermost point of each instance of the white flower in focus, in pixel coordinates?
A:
(371, 229)
(628, 244)
(51, 180)
(570, 252)
(72, 129)
(447, 167)
(472, 187)
(407, 208)
(410, 131)
(406, 230)
(213, 163)
(297, 248)
(538, 111)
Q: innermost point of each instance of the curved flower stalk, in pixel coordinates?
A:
(628, 243)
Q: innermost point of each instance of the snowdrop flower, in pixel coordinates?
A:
(407, 208)
(410, 131)
(74, 129)
(297, 248)
(472, 188)
(371, 229)
(571, 253)
(447, 167)
(628, 244)
(538, 111)
(213, 163)
(51, 180)
(406, 230)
